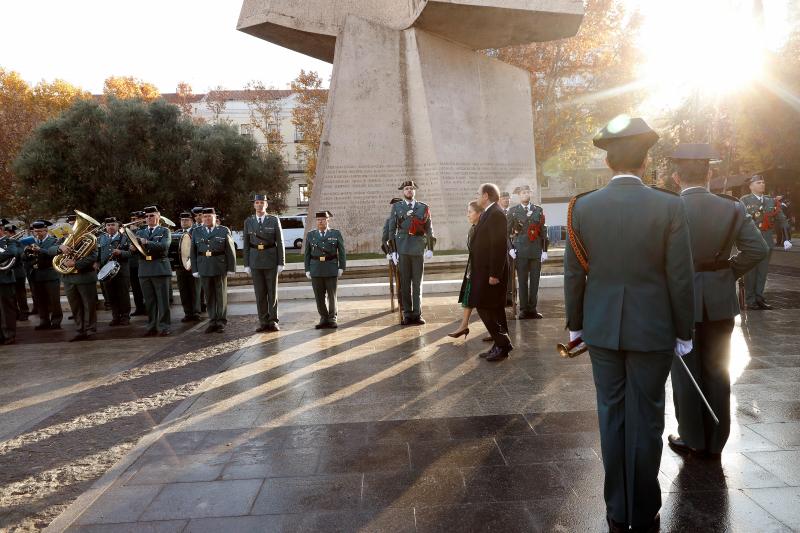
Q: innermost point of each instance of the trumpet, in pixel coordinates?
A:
(568, 351)
(128, 232)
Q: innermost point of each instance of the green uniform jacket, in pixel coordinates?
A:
(212, 252)
(757, 208)
(639, 292)
(156, 249)
(41, 265)
(518, 223)
(263, 243)
(10, 249)
(19, 266)
(107, 244)
(84, 268)
(713, 219)
(401, 219)
(317, 246)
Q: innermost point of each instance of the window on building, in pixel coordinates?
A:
(298, 135)
(545, 182)
(302, 195)
(246, 129)
(273, 127)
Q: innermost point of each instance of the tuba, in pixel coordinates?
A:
(82, 241)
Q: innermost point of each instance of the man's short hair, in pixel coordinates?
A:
(626, 156)
(492, 190)
(692, 170)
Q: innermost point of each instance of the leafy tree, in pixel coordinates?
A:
(108, 159)
(265, 114)
(308, 116)
(127, 87)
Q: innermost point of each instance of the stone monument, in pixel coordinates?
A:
(410, 98)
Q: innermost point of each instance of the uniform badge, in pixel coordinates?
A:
(410, 212)
(208, 253)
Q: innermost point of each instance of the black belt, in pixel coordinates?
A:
(262, 246)
(324, 258)
(712, 266)
(209, 253)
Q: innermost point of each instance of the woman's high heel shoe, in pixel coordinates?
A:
(459, 333)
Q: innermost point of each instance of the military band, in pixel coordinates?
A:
(114, 250)
(213, 259)
(79, 277)
(264, 260)
(325, 260)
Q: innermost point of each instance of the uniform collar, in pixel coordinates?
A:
(759, 198)
(625, 177)
(695, 189)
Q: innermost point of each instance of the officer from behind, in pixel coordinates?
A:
(264, 259)
(8, 285)
(44, 279)
(325, 261)
(213, 260)
(187, 283)
(155, 274)
(528, 233)
(629, 296)
(413, 233)
(114, 246)
(716, 223)
(767, 215)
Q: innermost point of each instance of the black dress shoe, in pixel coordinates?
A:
(333, 325)
(754, 307)
(259, 329)
(536, 315)
(680, 446)
(220, 329)
(186, 319)
(419, 320)
(405, 321)
(114, 322)
(54, 326)
(614, 526)
(500, 354)
(165, 333)
(22, 318)
(764, 305)
(653, 527)
(137, 313)
(486, 354)
(41, 327)
(7, 342)
(150, 333)
(321, 325)
(79, 337)
(272, 326)
(211, 328)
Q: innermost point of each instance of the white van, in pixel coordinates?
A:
(293, 230)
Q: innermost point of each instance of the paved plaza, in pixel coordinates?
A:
(374, 427)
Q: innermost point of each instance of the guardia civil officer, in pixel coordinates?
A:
(44, 279)
(114, 246)
(155, 274)
(716, 223)
(200, 296)
(412, 230)
(264, 259)
(187, 283)
(767, 215)
(20, 294)
(528, 233)
(133, 266)
(325, 261)
(8, 301)
(213, 260)
(80, 288)
(629, 295)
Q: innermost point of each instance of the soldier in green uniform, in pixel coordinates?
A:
(113, 246)
(200, 296)
(767, 215)
(187, 284)
(133, 267)
(20, 295)
(716, 223)
(325, 261)
(410, 226)
(629, 296)
(8, 285)
(264, 259)
(528, 233)
(213, 260)
(44, 279)
(155, 274)
(80, 288)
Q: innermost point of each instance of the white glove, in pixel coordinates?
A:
(389, 257)
(544, 257)
(308, 275)
(787, 245)
(513, 253)
(340, 273)
(247, 270)
(575, 335)
(230, 274)
(395, 258)
(682, 347)
(428, 254)
(195, 274)
(280, 269)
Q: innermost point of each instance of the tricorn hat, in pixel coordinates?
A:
(754, 178)
(259, 197)
(185, 214)
(197, 210)
(701, 152)
(323, 214)
(633, 132)
(408, 183)
(151, 209)
(209, 211)
(41, 224)
(110, 220)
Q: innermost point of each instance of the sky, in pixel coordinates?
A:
(159, 41)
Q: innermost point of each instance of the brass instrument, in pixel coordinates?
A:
(82, 241)
(568, 351)
(11, 261)
(132, 235)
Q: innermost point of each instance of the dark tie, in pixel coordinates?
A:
(150, 235)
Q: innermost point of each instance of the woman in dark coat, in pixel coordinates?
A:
(474, 212)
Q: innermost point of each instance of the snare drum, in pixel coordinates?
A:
(108, 271)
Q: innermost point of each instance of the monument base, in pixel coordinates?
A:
(410, 105)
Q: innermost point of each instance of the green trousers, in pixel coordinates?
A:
(22, 297)
(216, 290)
(155, 290)
(48, 302)
(118, 295)
(630, 408)
(411, 270)
(326, 287)
(8, 311)
(189, 289)
(265, 284)
(82, 298)
(528, 274)
(709, 362)
(756, 280)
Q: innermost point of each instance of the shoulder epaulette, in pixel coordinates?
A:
(423, 204)
(581, 195)
(727, 196)
(664, 190)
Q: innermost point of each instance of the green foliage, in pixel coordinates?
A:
(108, 160)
